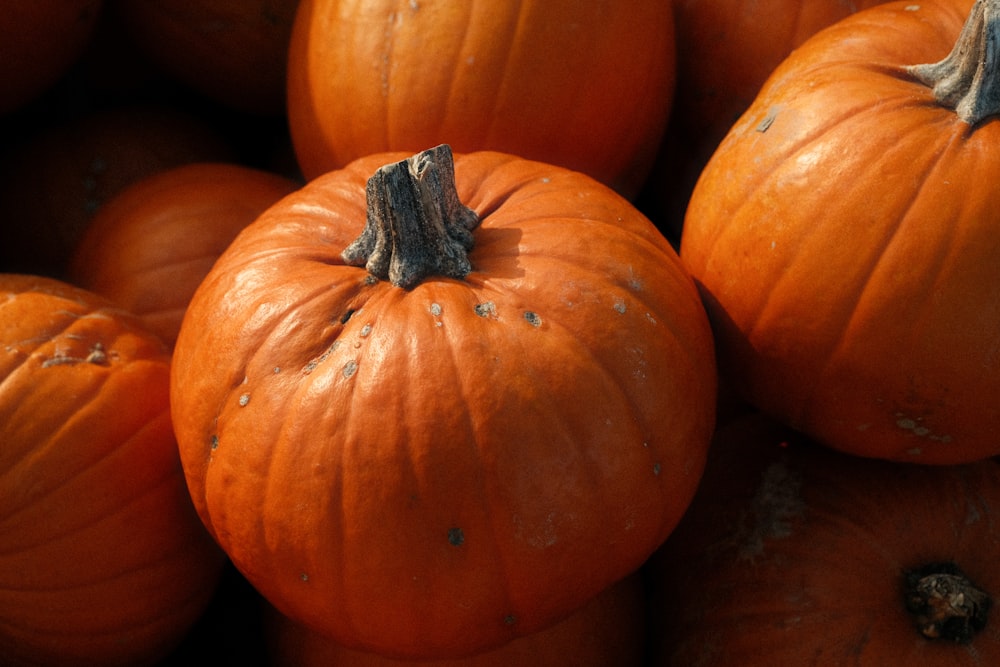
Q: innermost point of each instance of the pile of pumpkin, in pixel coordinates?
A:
(545, 333)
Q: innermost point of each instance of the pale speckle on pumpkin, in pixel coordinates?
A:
(365, 331)
(244, 399)
(304, 577)
(486, 309)
(435, 309)
(350, 368)
(915, 427)
(619, 305)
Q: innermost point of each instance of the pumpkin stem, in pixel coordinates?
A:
(416, 225)
(944, 604)
(967, 80)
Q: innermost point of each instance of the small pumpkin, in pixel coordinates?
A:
(587, 86)
(844, 239)
(608, 630)
(794, 554)
(149, 247)
(425, 450)
(102, 558)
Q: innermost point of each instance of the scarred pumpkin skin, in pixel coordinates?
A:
(149, 247)
(608, 630)
(433, 471)
(102, 558)
(794, 554)
(587, 86)
(844, 239)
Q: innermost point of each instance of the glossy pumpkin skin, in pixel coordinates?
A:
(435, 471)
(795, 554)
(610, 629)
(587, 86)
(843, 237)
(102, 557)
(150, 246)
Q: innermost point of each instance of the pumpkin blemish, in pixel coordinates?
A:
(456, 537)
(944, 603)
(532, 318)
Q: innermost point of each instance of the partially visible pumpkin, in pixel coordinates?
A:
(587, 86)
(234, 52)
(794, 554)
(102, 558)
(149, 247)
(426, 451)
(844, 236)
(608, 630)
(39, 41)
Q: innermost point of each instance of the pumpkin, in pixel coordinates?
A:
(425, 450)
(587, 86)
(608, 630)
(39, 42)
(844, 239)
(726, 50)
(233, 52)
(149, 247)
(55, 177)
(795, 554)
(103, 560)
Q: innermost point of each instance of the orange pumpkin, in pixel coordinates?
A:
(583, 85)
(844, 238)
(102, 558)
(794, 554)
(149, 247)
(608, 630)
(450, 448)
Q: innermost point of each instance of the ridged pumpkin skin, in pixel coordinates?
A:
(844, 236)
(583, 85)
(102, 558)
(608, 630)
(794, 554)
(149, 247)
(433, 471)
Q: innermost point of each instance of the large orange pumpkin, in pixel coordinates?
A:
(449, 448)
(583, 85)
(844, 236)
(794, 554)
(102, 558)
(607, 631)
(150, 246)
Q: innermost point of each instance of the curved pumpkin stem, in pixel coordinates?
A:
(944, 604)
(967, 80)
(416, 225)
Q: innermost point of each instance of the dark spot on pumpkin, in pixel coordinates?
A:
(346, 316)
(486, 309)
(510, 619)
(532, 318)
(215, 442)
(456, 537)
